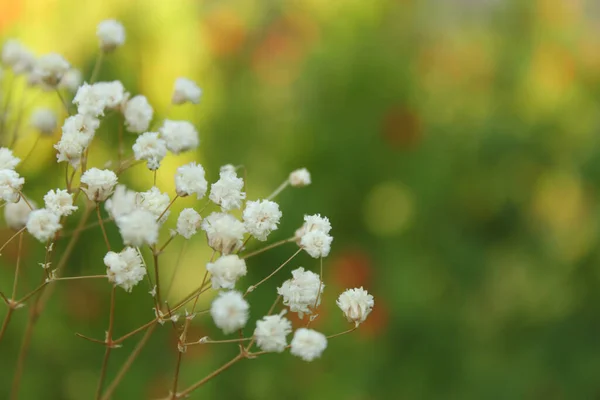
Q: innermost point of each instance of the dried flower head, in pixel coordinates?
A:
(44, 120)
(224, 232)
(186, 90)
(100, 184)
(227, 191)
(356, 304)
(308, 344)
(226, 271)
(271, 332)
(189, 179)
(7, 159)
(138, 228)
(151, 148)
(229, 311)
(125, 269)
(300, 178)
(60, 202)
(122, 202)
(10, 185)
(261, 218)
(111, 34)
(155, 201)
(17, 214)
(138, 114)
(51, 68)
(43, 224)
(188, 222)
(180, 136)
(300, 293)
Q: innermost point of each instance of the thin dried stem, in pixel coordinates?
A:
(279, 189)
(269, 247)
(210, 376)
(175, 269)
(176, 377)
(17, 268)
(97, 65)
(343, 333)
(109, 343)
(127, 365)
(7, 318)
(253, 287)
(240, 340)
(102, 226)
(133, 332)
(88, 226)
(12, 237)
(169, 206)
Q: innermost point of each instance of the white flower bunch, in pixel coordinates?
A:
(149, 219)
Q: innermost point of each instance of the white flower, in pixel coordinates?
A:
(308, 344)
(17, 214)
(301, 291)
(227, 191)
(125, 269)
(186, 90)
(316, 243)
(71, 80)
(60, 202)
(271, 331)
(111, 34)
(188, 222)
(77, 134)
(138, 114)
(100, 183)
(17, 57)
(94, 99)
(122, 202)
(154, 201)
(317, 223)
(7, 160)
(10, 185)
(43, 224)
(44, 120)
(226, 271)
(224, 232)
(356, 304)
(148, 146)
(137, 228)
(179, 135)
(51, 68)
(229, 311)
(261, 218)
(300, 177)
(189, 179)
(88, 101)
(112, 94)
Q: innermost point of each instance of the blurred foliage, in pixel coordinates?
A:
(453, 144)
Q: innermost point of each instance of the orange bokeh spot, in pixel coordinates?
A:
(225, 32)
(352, 269)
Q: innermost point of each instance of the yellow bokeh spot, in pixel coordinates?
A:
(389, 209)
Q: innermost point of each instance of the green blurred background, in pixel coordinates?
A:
(453, 144)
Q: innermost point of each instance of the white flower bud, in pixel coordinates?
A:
(43, 224)
(271, 332)
(149, 147)
(226, 271)
(301, 291)
(300, 178)
(224, 232)
(261, 218)
(125, 269)
(227, 191)
(60, 202)
(356, 304)
(44, 120)
(186, 90)
(229, 311)
(100, 184)
(189, 179)
(138, 114)
(188, 222)
(111, 34)
(138, 228)
(180, 136)
(308, 344)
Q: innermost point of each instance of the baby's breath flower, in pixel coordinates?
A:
(44, 120)
(125, 269)
(180, 136)
(51, 68)
(188, 222)
(155, 201)
(138, 228)
(229, 311)
(17, 57)
(186, 90)
(138, 114)
(71, 80)
(224, 232)
(301, 291)
(77, 134)
(10, 185)
(271, 332)
(308, 344)
(227, 191)
(43, 224)
(316, 243)
(111, 34)
(226, 271)
(300, 177)
(189, 179)
(261, 218)
(7, 160)
(122, 202)
(112, 93)
(317, 223)
(94, 99)
(17, 214)
(100, 183)
(60, 202)
(356, 304)
(149, 147)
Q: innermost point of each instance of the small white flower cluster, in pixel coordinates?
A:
(140, 216)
